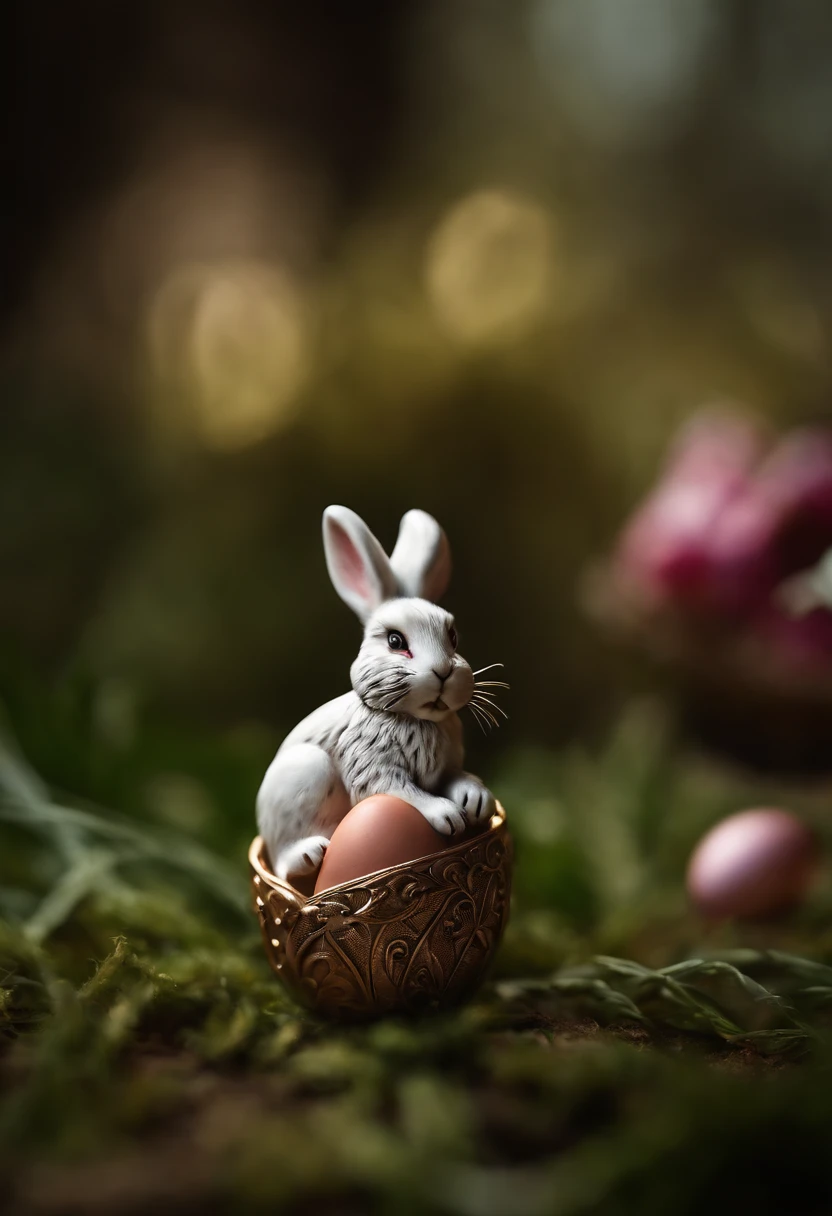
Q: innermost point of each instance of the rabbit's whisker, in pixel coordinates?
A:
(488, 703)
(488, 698)
(485, 696)
(476, 716)
(491, 684)
(488, 668)
(484, 709)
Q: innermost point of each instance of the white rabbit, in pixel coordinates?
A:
(398, 731)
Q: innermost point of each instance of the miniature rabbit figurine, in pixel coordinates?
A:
(398, 731)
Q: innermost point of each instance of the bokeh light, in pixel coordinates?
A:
(623, 67)
(229, 345)
(489, 266)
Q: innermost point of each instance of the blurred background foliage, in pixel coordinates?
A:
(477, 259)
(480, 259)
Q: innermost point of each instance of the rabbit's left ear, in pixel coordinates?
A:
(358, 566)
(421, 560)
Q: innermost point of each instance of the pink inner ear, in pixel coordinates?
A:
(351, 568)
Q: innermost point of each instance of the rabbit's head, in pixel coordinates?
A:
(408, 661)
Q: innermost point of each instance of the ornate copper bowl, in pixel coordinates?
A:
(413, 937)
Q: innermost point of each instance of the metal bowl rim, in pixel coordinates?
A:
(257, 847)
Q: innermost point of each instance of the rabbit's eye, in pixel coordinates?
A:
(396, 641)
(453, 637)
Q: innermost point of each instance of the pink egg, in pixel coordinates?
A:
(379, 832)
(752, 864)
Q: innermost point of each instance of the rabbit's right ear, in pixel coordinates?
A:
(421, 560)
(358, 566)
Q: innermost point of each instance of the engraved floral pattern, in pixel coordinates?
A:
(416, 936)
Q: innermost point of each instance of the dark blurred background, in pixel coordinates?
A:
(476, 258)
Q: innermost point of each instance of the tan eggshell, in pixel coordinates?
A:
(379, 832)
(752, 864)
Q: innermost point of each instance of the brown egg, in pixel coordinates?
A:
(752, 864)
(379, 832)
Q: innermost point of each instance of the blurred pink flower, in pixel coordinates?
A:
(668, 551)
(730, 522)
(796, 480)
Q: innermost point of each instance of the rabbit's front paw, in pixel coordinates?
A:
(445, 817)
(302, 858)
(477, 803)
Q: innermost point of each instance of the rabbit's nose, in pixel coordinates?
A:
(439, 675)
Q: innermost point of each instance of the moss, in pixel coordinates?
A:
(620, 1059)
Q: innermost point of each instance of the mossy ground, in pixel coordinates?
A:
(624, 1057)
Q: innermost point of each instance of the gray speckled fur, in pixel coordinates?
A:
(398, 731)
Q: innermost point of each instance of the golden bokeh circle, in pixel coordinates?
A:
(229, 349)
(489, 266)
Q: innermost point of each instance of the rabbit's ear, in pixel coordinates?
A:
(421, 560)
(357, 564)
